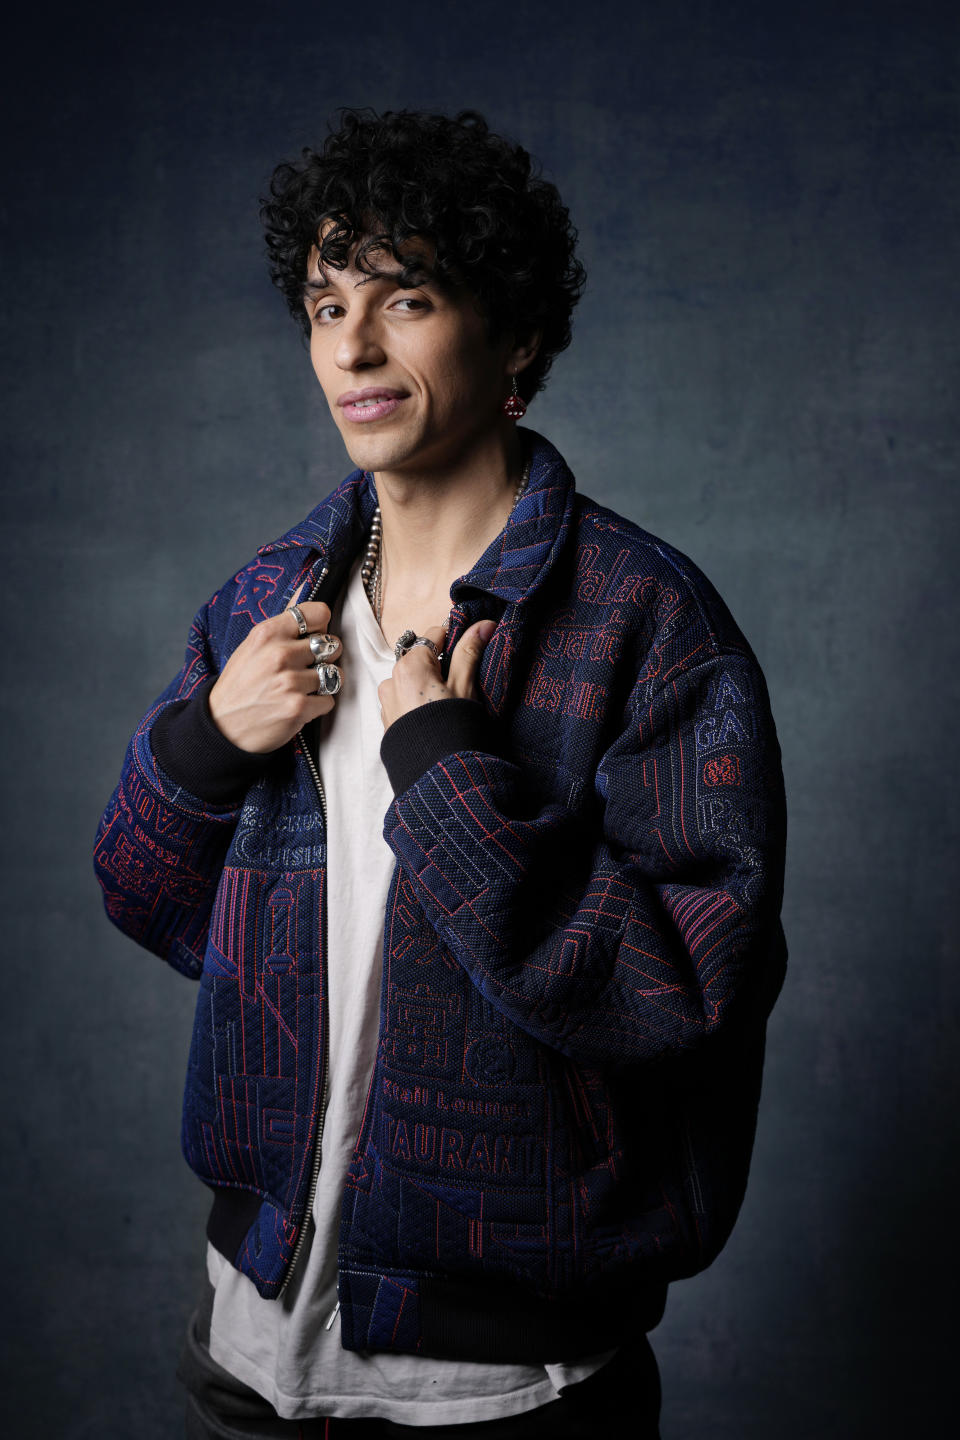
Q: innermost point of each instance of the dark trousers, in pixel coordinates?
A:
(621, 1401)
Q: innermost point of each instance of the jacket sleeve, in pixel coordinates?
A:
(160, 845)
(632, 928)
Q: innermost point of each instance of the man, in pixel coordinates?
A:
(484, 900)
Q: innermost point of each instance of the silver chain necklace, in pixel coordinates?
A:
(370, 569)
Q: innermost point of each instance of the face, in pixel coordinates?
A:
(431, 385)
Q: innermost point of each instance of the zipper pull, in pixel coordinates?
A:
(333, 1315)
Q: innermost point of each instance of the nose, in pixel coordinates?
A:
(358, 345)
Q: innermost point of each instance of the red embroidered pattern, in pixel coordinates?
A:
(722, 770)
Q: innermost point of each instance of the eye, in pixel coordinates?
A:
(415, 301)
(318, 313)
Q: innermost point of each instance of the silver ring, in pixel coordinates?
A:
(329, 679)
(422, 640)
(297, 614)
(322, 645)
(404, 643)
(408, 639)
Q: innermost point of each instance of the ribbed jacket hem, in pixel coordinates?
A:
(424, 735)
(485, 1320)
(194, 753)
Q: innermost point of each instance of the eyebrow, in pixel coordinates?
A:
(310, 287)
(313, 287)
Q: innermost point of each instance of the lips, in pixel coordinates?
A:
(373, 403)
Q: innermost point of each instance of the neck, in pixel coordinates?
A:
(435, 526)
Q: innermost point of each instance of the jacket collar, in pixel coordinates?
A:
(513, 564)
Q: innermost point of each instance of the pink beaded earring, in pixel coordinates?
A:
(513, 405)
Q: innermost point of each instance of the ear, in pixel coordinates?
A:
(523, 351)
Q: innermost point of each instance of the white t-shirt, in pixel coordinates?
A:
(286, 1349)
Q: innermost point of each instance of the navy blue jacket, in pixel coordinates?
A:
(582, 940)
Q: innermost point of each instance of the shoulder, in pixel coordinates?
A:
(266, 584)
(619, 562)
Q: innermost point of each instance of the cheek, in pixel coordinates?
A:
(321, 367)
(462, 370)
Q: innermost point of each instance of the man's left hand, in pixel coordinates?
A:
(416, 678)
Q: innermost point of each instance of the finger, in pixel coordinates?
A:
(304, 679)
(311, 678)
(332, 647)
(316, 617)
(466, 657)
(317, 614)
(290, 654)
(435, 633)
(317, 705)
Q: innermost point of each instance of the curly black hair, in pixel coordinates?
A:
(496, 226)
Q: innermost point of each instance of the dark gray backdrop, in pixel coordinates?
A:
(763, 372)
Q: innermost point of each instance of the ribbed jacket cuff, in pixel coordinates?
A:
(196, 755)
(416, 740)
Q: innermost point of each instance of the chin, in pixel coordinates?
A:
(377, 452)
(365, 456)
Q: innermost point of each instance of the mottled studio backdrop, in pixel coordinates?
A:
(763, 372)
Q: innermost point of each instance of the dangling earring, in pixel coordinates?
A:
(513, 405)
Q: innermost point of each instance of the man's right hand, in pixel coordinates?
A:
(268, 688)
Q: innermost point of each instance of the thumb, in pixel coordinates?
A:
(466, 657)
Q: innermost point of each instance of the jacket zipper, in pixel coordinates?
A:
(315, 775)
(318, 1142)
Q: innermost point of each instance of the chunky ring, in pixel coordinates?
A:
(329, 679)
(404, 643)
(297, 614)
(322, 645)
(422, 640)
